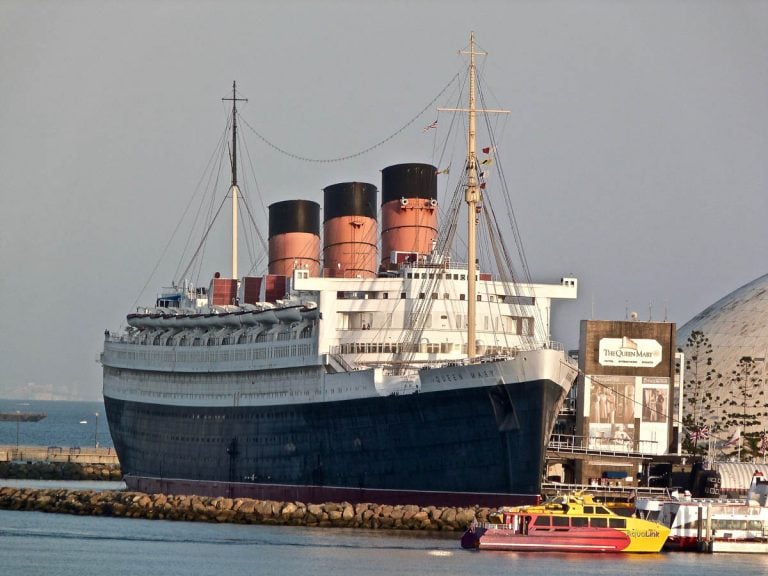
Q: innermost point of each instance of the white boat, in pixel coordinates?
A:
(712, 524)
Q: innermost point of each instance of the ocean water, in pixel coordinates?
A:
(68, 424)
(34, 543)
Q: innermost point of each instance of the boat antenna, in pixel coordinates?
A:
(234, 191)
(472, 195)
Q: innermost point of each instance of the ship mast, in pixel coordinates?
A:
(472, 196)
(233, 189)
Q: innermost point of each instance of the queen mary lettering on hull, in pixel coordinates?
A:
(340, 374)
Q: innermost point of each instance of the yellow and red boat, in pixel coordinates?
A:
(565, 523)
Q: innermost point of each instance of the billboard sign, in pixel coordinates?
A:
(631, 352)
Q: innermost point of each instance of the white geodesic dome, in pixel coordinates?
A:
(737, 327)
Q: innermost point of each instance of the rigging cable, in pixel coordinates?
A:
(355, 154)
(178, 224)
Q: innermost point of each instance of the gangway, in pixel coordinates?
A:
(583, 447)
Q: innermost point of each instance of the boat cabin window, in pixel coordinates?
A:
(757, 525)
(541, 521)
(727, 524)
(617, 522)
(596, 510)
(598, 522)
(580, 521)
(560, 521)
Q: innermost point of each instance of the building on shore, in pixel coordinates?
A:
(625, 409)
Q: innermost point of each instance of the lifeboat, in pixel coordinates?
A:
(289, 314)
(267, 314)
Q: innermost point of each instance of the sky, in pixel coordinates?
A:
(635, 149)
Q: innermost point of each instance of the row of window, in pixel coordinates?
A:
(732, 524)
(189, 356)
(197, 385)
(417, 348)
(210, 339)
(580, 522)
(365, 295)
(510, 325)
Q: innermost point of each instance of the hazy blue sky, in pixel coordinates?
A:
(636, 148)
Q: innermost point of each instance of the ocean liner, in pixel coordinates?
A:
(410, 378)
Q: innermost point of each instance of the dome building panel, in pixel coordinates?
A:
(736, 328)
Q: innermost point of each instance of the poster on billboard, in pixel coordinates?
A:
(612, 400)
(611, 436)
(655, 404)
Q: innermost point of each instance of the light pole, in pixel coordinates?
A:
(96, 432)
(18, 421)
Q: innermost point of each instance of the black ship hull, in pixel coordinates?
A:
(482, 445)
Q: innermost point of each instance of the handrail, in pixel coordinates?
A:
(573, 444)
(559, 487)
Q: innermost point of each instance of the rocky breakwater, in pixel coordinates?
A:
(60, 471)
(239, 510)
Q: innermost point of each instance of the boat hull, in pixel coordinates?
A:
(574, 540)
(447, 447)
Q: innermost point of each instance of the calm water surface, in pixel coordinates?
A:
(34, 543)
(67, 424)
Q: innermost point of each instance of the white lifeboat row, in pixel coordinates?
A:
(222, 316)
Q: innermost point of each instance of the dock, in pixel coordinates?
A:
(73, 454)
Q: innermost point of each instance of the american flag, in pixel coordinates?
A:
(700, 433)
(430, 126)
